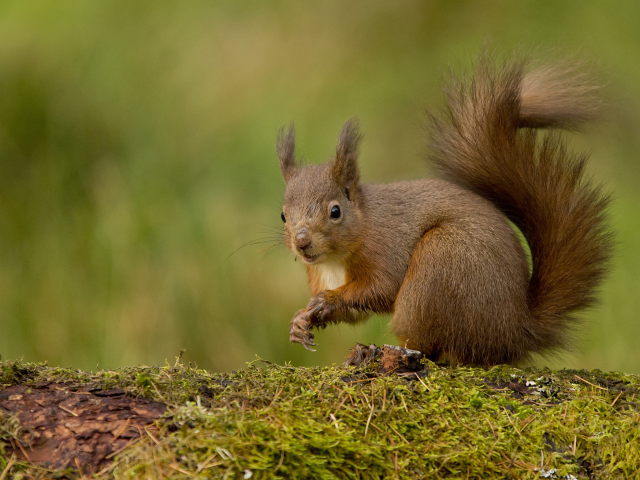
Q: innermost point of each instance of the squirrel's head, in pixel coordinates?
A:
(322, 211)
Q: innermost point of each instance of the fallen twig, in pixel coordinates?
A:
(586, 381)
(11, 463)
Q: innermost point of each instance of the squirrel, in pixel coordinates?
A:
(440, 255)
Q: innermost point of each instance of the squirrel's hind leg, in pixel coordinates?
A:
(461, 302)
(412, 325)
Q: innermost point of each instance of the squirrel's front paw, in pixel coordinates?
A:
(299, 331)
(321, 310)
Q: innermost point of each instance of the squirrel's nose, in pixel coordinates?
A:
(303, 239)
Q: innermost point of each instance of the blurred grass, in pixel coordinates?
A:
(136, 154)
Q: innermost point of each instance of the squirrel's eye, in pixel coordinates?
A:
(282, 217)
(335, 212)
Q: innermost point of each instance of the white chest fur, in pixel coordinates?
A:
(332, 275)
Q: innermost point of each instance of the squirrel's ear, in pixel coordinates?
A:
(285, 146)
(344, 169)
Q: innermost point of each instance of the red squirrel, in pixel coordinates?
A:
(439, 254)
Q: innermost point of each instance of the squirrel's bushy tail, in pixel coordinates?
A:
(487, 141)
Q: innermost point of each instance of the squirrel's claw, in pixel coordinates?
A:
(305, 340)
(306, 345)
(299, 331)
(317, 313)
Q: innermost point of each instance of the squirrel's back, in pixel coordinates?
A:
(487, 141)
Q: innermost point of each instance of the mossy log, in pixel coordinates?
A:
(275, 421)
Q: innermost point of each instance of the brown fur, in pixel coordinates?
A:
(439, 254)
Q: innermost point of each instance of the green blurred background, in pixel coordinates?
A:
(136, 154)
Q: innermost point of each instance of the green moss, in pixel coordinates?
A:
(456, 422)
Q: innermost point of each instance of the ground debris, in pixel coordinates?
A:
(64, 427)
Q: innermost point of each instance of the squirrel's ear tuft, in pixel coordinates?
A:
(344, 169)
(285, 146)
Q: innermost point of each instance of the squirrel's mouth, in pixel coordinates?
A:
(310, 258)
